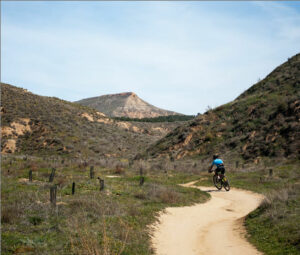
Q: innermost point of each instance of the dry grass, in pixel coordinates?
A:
(119, 170)
(10, 213)
(61, 181)
(273, 202)
(86, 239)
(83, 240)
(277, 195)
(14, 212)
(163, 194)
(169, 196)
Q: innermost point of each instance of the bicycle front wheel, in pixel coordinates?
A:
(226, 184)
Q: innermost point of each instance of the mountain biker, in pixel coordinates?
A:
(219, 164)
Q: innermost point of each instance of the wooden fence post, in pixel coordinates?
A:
(130, 163)
(237, 164)
(101, 182)
(51, 177)
(141, 171)
(73, 188)
(142, 180)
(270, 172)
(53, 195)
(30, 175)
(92, 173)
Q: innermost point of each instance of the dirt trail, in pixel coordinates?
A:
(215, 227)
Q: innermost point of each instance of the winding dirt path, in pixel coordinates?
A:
(215, 227)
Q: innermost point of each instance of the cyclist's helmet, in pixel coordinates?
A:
(215, 156)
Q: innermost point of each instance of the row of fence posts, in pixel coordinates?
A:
(53, 188)
(260, 178)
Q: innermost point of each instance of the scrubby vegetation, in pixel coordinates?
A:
(170, 118)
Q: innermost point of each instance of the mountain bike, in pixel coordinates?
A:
(220, 181)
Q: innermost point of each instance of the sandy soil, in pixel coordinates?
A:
(113, 176)
(215, 227)
(26, 181)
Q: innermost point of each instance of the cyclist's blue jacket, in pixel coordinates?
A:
(217, 162)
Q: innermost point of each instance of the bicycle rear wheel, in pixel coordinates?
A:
(217, 182)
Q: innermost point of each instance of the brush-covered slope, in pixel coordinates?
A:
(33, 124)
(125, 105)
(262, 122)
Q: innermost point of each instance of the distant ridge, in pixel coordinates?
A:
(126, 104)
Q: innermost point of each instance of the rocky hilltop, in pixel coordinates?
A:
(262, 122)
(126, 104)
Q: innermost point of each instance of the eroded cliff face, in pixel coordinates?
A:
(126, 104)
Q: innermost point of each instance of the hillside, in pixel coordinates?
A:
(38, 125)
(261, 122)
(125, 105)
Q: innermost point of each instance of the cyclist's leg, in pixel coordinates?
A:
(217, 171)
(222, 171)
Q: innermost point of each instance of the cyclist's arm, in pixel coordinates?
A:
(211, 167)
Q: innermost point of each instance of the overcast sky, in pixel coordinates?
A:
(180, 56)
